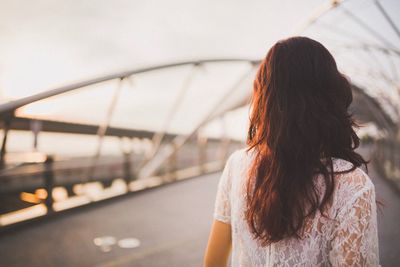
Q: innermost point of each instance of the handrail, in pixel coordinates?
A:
(13, 105)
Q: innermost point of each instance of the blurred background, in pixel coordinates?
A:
(117, 118)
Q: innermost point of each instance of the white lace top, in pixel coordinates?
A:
(350, 240)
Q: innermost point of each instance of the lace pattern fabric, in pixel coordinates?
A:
(348, 237)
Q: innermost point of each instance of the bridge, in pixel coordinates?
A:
(121, 169)
(171, 222)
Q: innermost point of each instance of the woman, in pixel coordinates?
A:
(296, 196)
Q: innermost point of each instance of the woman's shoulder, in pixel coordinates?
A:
(240, 154)
(238, 161)
(243, 153)
(350, 184)
(353, 177)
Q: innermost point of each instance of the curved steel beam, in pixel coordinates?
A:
(387, 17)
(370, 30)
(368, 47)
(13, 105)
(150, 167)
(317, 14)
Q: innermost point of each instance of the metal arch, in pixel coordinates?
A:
(377, 111)
(361, 43)
(375, 75)
(373, 59)
(13, 105)
(151, 166)
(371, 31)
(317, 13)
(104, 126)
(387, 17)
(158, 136)
(334, 28)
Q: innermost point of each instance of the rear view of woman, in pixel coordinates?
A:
(296, 196)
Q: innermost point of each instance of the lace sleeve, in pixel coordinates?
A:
(222, 207)
(355, 238)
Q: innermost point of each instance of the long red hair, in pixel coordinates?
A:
(299, 119)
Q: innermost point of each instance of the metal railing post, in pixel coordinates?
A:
(49, 182)
(172, 165)
(202, 150)
(127, 167)
(6, 128)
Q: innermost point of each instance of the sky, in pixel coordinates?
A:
(46, 44)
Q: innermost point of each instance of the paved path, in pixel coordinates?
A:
(172, 223)
(388, 221)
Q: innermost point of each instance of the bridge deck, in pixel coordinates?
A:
(172, 223)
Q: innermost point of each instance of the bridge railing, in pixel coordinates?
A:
(387, 160)
(51, 174)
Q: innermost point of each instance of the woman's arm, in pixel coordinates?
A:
(355, 238)
(220, 240)
(219, 245)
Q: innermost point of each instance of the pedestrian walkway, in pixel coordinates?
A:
(172, 222)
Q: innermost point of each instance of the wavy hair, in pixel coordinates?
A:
(299, 120)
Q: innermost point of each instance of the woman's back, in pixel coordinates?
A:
(296, 195)
(348, 237)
